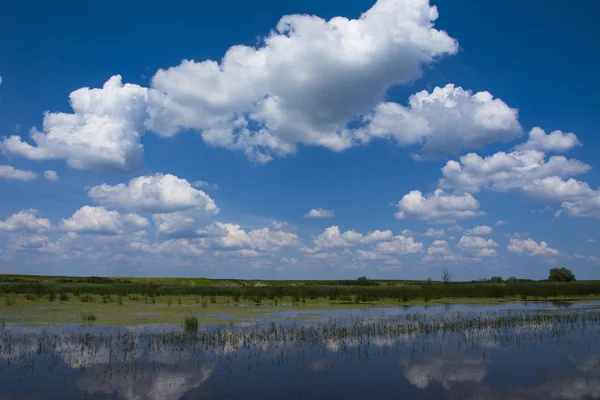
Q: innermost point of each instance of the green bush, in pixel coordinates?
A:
(364, 281)
(561, 275)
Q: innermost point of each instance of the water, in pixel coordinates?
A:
(519, 351)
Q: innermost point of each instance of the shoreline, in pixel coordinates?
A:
(172, 310)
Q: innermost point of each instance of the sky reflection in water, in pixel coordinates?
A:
(532, 351)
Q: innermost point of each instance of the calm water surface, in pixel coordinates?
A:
(517, 351)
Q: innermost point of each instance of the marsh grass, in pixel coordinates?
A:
(190, 324)
(87, 298)
(9, 301)
(247, 291)
(64, 297)
(88, 316)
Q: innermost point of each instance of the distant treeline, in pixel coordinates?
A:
(353, 291)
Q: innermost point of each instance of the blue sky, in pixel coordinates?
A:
(139, 139)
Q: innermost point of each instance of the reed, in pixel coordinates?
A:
(190, 324)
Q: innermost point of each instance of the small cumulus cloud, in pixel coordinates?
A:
(51, 176)
(12, 174)
(319, 213)
(205, 185)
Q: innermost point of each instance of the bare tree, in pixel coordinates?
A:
(446, 276)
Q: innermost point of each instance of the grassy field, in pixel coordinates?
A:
(123, 300)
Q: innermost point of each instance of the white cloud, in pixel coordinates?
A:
(439, 251)
(399, 245)
(319, 213)
(476, 242)
(204, 184)
(240, 253)
(178, 247)
(296, 85)
(554, 189)
(447, 119)
(482, 253)
(531, 248)
(591, 240)
(157, 193)
(188, 224)
(0, 80)
(51, 176)
(480, 230)
(332, 237)
(25, 221)
(370, 255)
(265, 239)
(176, 224)
(504, 171)
(588, 207)
(10, 173)
(103, 133)
(434, 232)
(439, 206)
(501, 222)
(439, 247)
(555, 141)
(478, 246)
(98, 220)
(293, 88)
(33, 240)
(377, 236)
(135, 220)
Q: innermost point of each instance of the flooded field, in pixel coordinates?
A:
(512, 351)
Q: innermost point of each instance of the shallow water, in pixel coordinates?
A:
(517, 351)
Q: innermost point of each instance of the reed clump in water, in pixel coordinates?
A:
(88, 316)
(190, 324)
